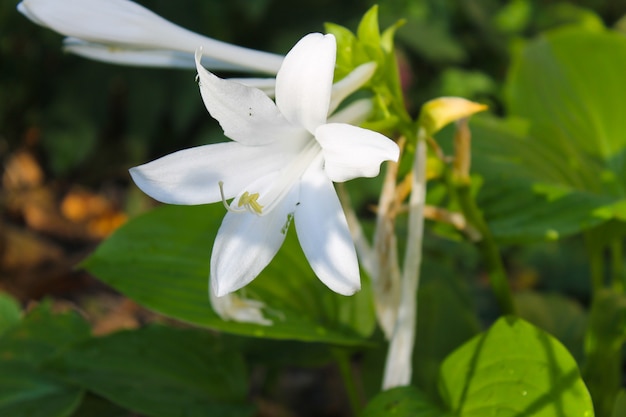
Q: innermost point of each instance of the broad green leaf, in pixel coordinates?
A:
(41, 335)
(161, 260)
(160, 372)
(26, 391)
(403, 402)
(513, 369)
(570, 84)
(518, 199)
(26, 387)
(603, 347)
(565, 172)
(10, 312)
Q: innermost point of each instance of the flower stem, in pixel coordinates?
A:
(489, 250)
(398, 367)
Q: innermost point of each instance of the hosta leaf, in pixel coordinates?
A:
(161, 259)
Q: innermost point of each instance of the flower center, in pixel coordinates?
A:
(262, 202)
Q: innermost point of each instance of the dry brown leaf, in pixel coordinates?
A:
(22, 171)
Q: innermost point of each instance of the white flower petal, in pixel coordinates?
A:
(246, 243)
(123, 22)
(246, 114)
(350, 83)
(304, 82)
(324, 235)
(351, 152)
(146, 57)
(192, 176)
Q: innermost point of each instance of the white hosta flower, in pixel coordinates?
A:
(123, 32)
(279, 169)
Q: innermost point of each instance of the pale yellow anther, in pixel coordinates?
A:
(247, 200)
(250, 201)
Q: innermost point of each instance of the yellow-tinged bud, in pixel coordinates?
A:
(439, 112)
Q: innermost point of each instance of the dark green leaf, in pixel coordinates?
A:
(26, 389)
(558, 315)
(442, 304)
(402, 402)
(161, 372)
(27, 392)
(41, 335)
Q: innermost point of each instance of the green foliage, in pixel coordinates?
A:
(513, 369)
(10, 312)
(403, 402)
(369, 45)
(27, 388)
(161, 260)
(49, 361)
(160, 371)
(562, 317)
(561, 170)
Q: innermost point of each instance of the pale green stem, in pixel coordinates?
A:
(398, 367)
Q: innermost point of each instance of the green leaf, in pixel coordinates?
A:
(402, 402)
(25, 391)
(526, 195)
(26, 388)
(160, 372)
(566, 171)
(41, 335)
(442, 304)
(513, 369)
(161, 260)
(10, 312)
(558, 315)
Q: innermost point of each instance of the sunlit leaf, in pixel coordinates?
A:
(513, 369)
(161, 260)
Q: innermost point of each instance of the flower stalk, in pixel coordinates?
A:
(398, 367)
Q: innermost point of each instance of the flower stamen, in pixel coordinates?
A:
(250, 202)
(247, 201)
